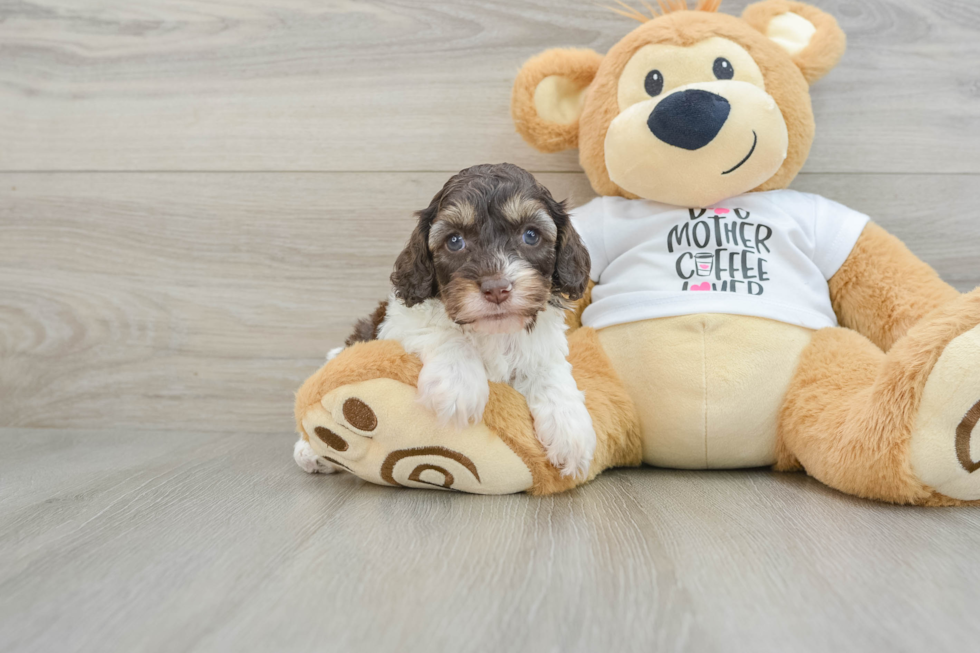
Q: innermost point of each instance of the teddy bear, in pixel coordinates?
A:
(730, 322)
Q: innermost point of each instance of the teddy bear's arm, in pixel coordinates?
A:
(882, 288)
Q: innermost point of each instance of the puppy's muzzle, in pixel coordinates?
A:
(496, 291)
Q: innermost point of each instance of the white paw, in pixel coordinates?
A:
(455, 391)
(565, 429)
(309, 462)
(332, 354)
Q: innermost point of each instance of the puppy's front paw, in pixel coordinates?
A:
(309, 462)
(456, 392)
(565, 429)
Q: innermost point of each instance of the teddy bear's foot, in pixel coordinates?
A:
(945, 454)
(360, 412)
(893, 426)
(376, 430)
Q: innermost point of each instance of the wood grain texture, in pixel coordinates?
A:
(121, 541)
(397, 85)
(202, 301)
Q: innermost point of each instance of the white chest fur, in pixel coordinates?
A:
(506, 357)
(458, 362)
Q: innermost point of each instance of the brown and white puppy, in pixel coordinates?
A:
(480, 294)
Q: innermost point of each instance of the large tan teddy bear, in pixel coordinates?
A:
(732, 323)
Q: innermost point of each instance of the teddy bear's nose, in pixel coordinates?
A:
(689, 119)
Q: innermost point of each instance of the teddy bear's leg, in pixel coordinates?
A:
(897, 426)
(359, 412)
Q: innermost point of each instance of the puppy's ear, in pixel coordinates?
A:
(414, 276)
(572, 261)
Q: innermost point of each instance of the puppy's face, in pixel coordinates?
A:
(496, 248)
(494, 263)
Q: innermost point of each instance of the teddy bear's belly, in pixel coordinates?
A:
(708, 388)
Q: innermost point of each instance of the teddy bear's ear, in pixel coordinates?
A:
(812, 37)
(548, 95)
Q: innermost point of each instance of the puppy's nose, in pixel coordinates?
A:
(496, 291)
(690, 119)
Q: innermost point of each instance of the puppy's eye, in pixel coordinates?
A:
(455, 243)
(531, 237)
(654, 83)
(723, 68)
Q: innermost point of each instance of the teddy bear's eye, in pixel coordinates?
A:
(723, 68)
(654, 83)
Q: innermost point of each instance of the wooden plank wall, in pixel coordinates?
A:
(197, 199)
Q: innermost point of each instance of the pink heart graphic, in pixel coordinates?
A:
(701, 286)
(722, 211)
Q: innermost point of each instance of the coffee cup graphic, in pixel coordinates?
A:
(703, 263)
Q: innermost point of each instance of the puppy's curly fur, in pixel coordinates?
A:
(479, 294)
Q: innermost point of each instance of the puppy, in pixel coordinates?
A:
(479, 294)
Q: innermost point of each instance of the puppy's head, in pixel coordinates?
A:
(496, 247)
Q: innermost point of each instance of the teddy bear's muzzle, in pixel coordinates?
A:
(698, 145)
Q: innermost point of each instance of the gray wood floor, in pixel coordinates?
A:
(197, 199)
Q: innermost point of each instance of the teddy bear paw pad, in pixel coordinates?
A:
(377, 430)
(945, 450)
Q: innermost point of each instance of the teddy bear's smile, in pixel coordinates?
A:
(755, 141)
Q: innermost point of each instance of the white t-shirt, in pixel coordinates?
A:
(761, 254)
